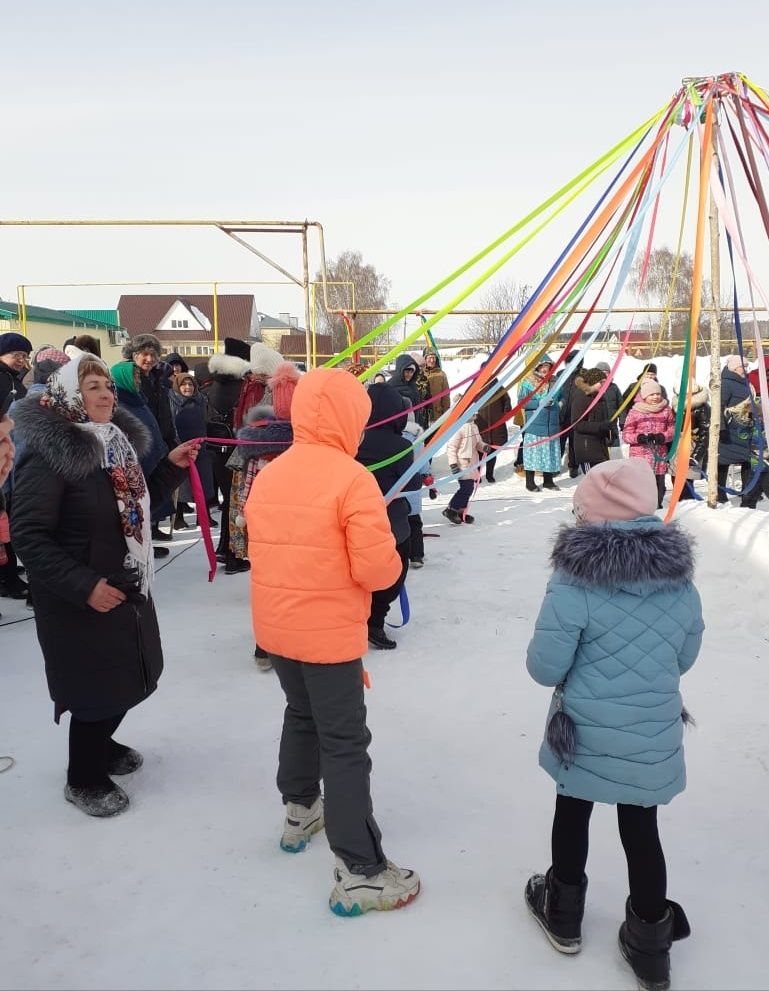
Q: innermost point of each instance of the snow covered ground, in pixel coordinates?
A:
(189, 889)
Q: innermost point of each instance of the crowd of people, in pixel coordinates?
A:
(94, 458)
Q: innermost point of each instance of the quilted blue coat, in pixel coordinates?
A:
(620, 623)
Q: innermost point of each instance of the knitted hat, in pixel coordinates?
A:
(650, 387)
(282, 385)
(264, 360)
(237, 348)
(46, 362)
(733, 363)
(142, 342)
(616, 490)
(603, 366)
(14, 342)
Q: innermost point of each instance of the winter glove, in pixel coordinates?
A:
(644, 439)
(427, 480)
(659, 438)
(433, 493)
(454, 469)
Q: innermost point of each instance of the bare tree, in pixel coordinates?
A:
(371, 292)
(488, 328)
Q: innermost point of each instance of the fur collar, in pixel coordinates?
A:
(273, 438)
(631, 556)
(66, 449)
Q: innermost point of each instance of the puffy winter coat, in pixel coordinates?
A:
(436, 383)
(548, 422)
(67, 529)
(593, 432)
(318, 528)
(223, 393)
(494, 409)
(408, 390)
(12, 387)
(639, 422)
(382, 443)
(733, 448)
(620, 623)
(465, 449)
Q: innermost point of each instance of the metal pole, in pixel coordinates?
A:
(715, 345)
(216, 320)
(306, 288)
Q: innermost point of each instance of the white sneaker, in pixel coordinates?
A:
(354, 894)
(300, 824)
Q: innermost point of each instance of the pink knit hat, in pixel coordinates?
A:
(282, 383)
(649, 388)
(616, 490)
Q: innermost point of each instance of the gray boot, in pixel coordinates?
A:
(98, 800)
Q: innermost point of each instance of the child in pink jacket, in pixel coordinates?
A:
(649, 429)
(464, 450)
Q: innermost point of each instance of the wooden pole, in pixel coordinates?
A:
(715, 343)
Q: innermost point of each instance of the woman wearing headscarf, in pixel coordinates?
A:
(542, 448)
(82, 523)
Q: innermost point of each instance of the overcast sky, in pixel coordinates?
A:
(414, 132)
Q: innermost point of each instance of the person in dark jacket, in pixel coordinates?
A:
(82, 523)
(144, 351)
(698, 461)
(404, 381)
(493, 433)
(188, 407)
(176, 363)
(15, 350)
(613, 399)
(733, 445)
(592, 431)
(222, 393)
(567, 439)
(744, 428)
(379, 444)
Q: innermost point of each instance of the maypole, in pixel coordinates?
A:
(714, 428)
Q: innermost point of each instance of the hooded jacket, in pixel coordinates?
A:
(620, 623)
(733, 446)
(382, 443)
(407, 390)
(67, 529)
(318, 528)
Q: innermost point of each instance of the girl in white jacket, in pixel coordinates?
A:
(464, 450)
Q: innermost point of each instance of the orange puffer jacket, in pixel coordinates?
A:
(318, 534)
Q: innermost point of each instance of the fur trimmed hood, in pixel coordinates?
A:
(228, 364)
(631, 555)
(69, 451)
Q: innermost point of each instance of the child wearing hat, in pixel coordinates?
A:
(620, 623)
(649, 429)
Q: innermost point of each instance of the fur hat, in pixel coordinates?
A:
(282, 385)
(237, 348)
(14, 342)
(142, 342)
(85, 342)
(734, 364)
(46, 362)
(263, 360)
(603, 366)
(616, 490)
(650, 387)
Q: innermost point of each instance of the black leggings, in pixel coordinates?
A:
(647, 874)
(90, 744)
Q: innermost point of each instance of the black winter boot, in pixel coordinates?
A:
(531, 485)
(548, 481)
(378, 639)
(646, 945)
(558, 908)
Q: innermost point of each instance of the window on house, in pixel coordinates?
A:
(184, 323)
(200, 350)
(173, 325)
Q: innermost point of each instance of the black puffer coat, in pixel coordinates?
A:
(492, 410)
(155, 392)
(67, 530)
(223, 392)
(592, 433)
(733, 442)
(11, 387)
(380, 443)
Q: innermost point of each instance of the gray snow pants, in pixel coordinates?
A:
(325, 736)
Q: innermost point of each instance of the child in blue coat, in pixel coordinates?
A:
(620, 623)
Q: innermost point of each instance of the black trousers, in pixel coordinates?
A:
(461, 497)
(660, 489)
(647, 873)
(417, 548)
(325, 736)
(223, 481)
(745, 476)
(380, 601)
(519, 455)
(89, 750)
(490, 467)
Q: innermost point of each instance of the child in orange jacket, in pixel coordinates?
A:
(318, 528)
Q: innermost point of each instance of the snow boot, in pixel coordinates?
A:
(531, 485)
(122, 759)
(98, 800)
(159, 552)
(467, 518)
(417, 562)
(452, 515)
(158, 534)
(548, 481)
(235, 565)
(179, 521)
(646, 945)
(262, 659)
(379, 640)
(354, 894)
(558, 908)
(300, 824)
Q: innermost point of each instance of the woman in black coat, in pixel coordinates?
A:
(593, 432)
(380, 444)
(82, 522)
(733, 442)
(492, 432)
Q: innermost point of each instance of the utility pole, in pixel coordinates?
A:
(715, 341)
